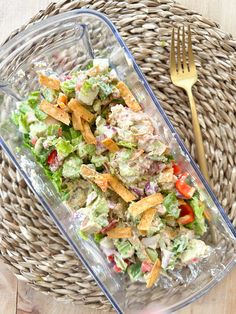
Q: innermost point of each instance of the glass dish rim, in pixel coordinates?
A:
(42, 24)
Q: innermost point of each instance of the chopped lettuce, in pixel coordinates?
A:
(85, 150)
(64, 148)
(98, 237)
(82, 234)
(198, 225)
(180, 244)
(53, 129)
(50, 95)
(99, 161)
(127, 144)
(38, 129)
(22, 123)
(68, 87)
(88, 92)
(152, 254)
(120, 262)
(171, 204)
(71, 167)
(125, 248)
(96, 213)
(134, 271)
(56, 178)
(104, 90)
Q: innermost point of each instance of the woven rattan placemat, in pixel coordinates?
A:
(30, 243)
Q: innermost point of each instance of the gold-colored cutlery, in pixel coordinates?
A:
(183, 74)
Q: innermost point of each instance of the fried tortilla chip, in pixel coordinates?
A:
(86, 171)
(87, 133)
(154, 274)
(94, 176)
(77, 123)
(55, 112)
(128, 97)
(110, 145)
(102, 182)
(80, 111)
(143, 232)
(62, 98)
(50, 82)
(145, 203)
(146, 219)
(102, 179)
(120, 233)
(120, 189)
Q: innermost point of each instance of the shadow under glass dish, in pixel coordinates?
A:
(65, 43)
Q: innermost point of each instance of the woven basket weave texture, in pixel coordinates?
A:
(30, 243)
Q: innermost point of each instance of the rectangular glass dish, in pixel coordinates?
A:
(63, 42)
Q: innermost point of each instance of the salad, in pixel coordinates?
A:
(110, 166)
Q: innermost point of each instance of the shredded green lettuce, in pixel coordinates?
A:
(98, 237)
(68, 87)
(134, 271)
(125, 248)
(127, 144)
(64, 148)
(199, 224)
(99, 161)
(171, 204)
(71, 167)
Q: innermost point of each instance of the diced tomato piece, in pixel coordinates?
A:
(52, 157)
(33, 141)
(186, 214)
(60, 132)
(111, 225)
(176, 169)
(117, 269)
(183, 188)
(146, 267)
(111, 258)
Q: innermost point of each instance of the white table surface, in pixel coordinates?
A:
(17, 297)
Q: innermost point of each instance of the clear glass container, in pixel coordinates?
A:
(63, 42)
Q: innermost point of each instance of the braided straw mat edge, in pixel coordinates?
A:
(30, 243)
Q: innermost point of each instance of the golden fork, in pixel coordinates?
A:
(184, 74)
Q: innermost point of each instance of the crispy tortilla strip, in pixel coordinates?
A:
(49, 82)
(145, 203)
(128, 97)
(102, 182)
(120, 189)
(77, 123)
(80, 111)
(86, 171)
(98, 178)
(87, 133)
(154, 274)
(62, 98)
(120, 233)
(112, 181)
(55, 112)
(143, 232)
(146, 219)
(110, 145)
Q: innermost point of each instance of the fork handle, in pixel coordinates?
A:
(198, 136)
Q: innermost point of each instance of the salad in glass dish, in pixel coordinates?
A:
(111, 167)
